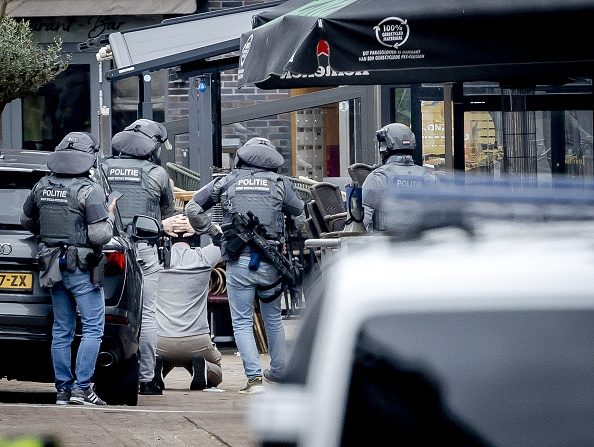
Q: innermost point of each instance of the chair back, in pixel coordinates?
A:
(329, 198)
(331, 204)
(184, 178)
(359, 172)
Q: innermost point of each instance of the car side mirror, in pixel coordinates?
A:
(145, 228)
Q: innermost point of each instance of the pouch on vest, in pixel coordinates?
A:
(49, 269)
(233, 245)
(96, 264)
(71, 259)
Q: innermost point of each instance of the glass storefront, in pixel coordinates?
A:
(530, 133)
(60, 107)
(124, 100)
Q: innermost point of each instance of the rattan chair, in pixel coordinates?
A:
(183, 178)
(302, 186)
(329, 201)
(359, 172)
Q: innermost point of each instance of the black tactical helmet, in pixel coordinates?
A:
(140, 139)
(395, 137)
(261, 153)
(74, 155)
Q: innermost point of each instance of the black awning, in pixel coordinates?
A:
(409, 41)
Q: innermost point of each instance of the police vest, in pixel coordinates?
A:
(258, 192)
(400, 178)
(62, 218)
(130, 177)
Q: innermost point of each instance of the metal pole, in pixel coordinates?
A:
(145, 105)
(458, 115)
(104, 121)
(205, 129)
(215, 98)
(448, 123)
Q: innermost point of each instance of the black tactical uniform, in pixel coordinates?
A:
(135, 171)
(252, 186)
(398, 173)
(67, 210)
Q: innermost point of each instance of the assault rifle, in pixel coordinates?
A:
(247, 230)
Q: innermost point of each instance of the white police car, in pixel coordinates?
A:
(480, 336)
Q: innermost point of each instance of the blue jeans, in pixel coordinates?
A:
(241, 290)
(74, 290)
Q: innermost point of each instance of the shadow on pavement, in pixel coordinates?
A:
(27, 397)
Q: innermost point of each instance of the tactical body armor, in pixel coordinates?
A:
(61, 217)
(398, 174)
(130, 177)
(258, 191)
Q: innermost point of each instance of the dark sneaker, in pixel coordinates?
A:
(85, 397)
(198, 373)
(159, 373)
(253, 386)
(270, 377)
(63, 397)
(150, 389)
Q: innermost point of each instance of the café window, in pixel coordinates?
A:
(60, 107)
(124, 100)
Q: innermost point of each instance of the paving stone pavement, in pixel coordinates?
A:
(178, 418)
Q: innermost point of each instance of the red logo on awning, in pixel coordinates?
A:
(323, 48)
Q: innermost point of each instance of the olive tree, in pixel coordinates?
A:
(25, 65)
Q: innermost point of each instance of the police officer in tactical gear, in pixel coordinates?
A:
(67, 210)
(135, 171)
(397, 173)
(254, 185)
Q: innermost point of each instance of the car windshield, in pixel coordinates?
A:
(14, 189)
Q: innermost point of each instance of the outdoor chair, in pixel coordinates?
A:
(359, 172)
(302, 185)
(315, 225)
(329, 210)
(183, 178)
(181, 198)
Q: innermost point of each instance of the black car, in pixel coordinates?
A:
(25, 308)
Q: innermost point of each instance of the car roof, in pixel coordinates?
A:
(506, 266)
(23, 160)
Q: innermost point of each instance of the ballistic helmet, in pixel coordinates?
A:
(393, 138)
(141, 139)
(74, 155)
(260, 153)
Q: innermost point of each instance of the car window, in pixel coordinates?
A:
(12, 204)
(15, 186)
(515, 378)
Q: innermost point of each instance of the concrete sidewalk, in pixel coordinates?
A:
(178, 418)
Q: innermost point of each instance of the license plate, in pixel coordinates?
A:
(16, 281)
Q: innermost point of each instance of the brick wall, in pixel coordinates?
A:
(275, 128)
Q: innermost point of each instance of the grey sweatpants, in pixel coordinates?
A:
(149, 261)
(179, 351)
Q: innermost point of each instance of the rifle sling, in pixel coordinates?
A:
(274, 296)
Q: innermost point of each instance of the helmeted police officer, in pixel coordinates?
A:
(253, 186)
(135, 171)
(397, 173)
(67, 210)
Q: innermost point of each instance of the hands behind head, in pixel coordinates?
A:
(178, 224)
